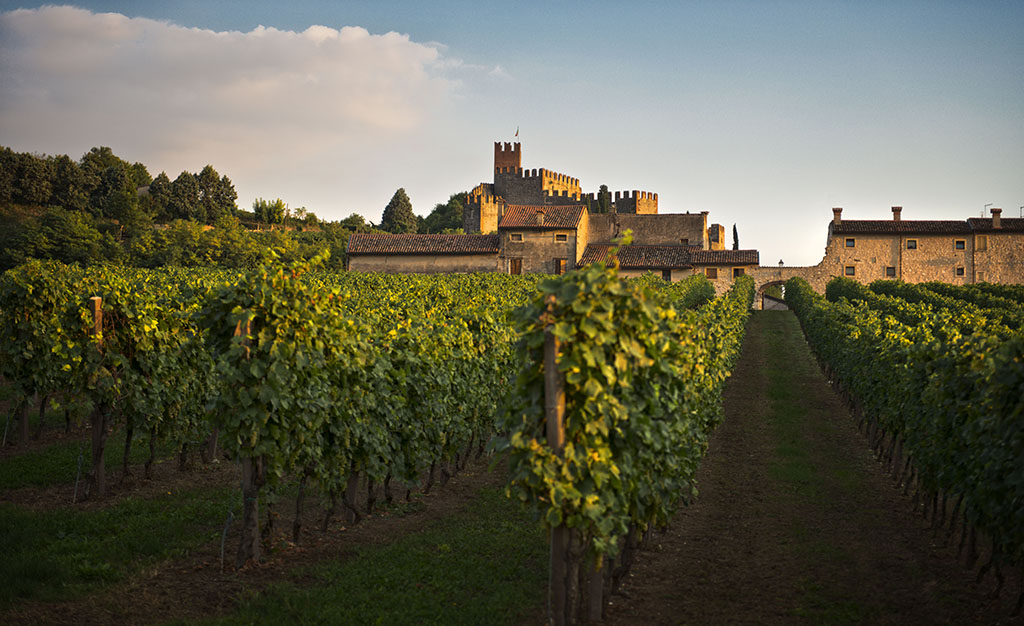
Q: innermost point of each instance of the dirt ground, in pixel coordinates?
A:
(194, 587)
(796, 522)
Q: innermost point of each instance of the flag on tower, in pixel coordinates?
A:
(517, 131)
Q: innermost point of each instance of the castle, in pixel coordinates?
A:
(540, 221)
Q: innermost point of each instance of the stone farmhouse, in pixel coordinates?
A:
(959, 252)
(540, 221)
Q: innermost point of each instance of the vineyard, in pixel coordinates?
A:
(936, 375)
(335, 382)
(591, 400)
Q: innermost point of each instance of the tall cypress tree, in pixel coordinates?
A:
(398, 216)
(735, 238)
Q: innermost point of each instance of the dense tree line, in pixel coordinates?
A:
(78, 237)
(103, 209)
(106, 186)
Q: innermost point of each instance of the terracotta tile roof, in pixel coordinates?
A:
(555, 217)
(385, 243)
(725, 257)
(915, 227)
(1012, 224)
(641, 257)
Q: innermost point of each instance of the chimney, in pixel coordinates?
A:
(896, 211)
(539, 217)
(837, 213)
(996, 215)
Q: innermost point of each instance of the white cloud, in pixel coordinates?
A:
(265, 103)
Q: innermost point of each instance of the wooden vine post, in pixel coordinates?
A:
(562, 579)
(252, 480)
(98, 419)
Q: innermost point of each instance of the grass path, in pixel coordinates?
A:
(795, 522)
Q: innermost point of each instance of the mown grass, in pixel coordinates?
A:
(487, 565)
(59, 463)
(57, 554)
(807, 473)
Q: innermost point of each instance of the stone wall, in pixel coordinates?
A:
(666, 229)
(534, 187)
(911, 258)
(676, 274)
(999, 257)
(538, 249)
(723, 280)
(423, 264)
(582, 236)
(636, 202)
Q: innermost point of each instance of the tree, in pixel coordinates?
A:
(140, 175)
(269, 211)
(604, 199)
(160, 194)
(398, 216)
(68, 190)
(184, 198)
(116, 195)
(93, 163)
(8, 164)
(208, 183)
(447, 216)
(71, 236)
(227, 197)
(33, 180)
(355, 223)
(735, 238)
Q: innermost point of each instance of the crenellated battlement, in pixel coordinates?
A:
(507, 155)
(545, 175)
(638, 202)
(635, 195)
(483, 210)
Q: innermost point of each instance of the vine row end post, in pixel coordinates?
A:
(560, 580)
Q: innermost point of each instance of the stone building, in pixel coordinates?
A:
(958, 252)
(422, 254)
(540, 221)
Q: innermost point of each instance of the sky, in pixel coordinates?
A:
(766, 113)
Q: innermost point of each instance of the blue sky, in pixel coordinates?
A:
(766, 114)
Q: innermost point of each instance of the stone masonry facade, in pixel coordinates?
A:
(540, 221)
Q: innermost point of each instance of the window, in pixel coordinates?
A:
(515, 237)
(685, 241)
(850, 270)
(561, 237)
(960, 271)
(851, 242)
(890, 272)
(981, 244)
(667, 275)
(711, 272)
(515, 266)
(980, 277)
(737, 272)
(559, 266)
(911, 244)
(960, 244)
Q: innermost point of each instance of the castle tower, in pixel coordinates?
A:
(482, 211)
(509, 155)
(716, 237)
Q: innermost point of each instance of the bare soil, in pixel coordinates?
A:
(796, 523)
